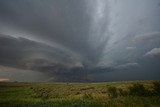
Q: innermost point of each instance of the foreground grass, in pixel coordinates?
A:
(72, 95)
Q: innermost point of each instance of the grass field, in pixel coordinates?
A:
(107, 94)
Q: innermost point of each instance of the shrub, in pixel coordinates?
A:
(138, 90)
(156, 88)
(123, 92)
(112, 92)
(41, 93)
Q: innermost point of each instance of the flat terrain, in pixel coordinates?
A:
(23, 94)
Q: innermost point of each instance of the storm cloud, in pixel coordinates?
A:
(79, 40)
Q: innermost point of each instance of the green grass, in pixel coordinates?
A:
(15, 94)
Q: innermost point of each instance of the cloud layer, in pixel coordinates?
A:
(85, 40)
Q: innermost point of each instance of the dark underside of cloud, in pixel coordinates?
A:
(82, 40)
(30, 55)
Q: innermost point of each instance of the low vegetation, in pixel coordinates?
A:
(136, 90)
(109, 94)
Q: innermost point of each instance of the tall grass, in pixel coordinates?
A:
(135, 90)
(122, 94)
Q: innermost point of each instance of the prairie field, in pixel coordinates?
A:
(103, 94)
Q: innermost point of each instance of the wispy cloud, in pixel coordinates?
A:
(127, 66)
(130, 48)
(147, 36)
(153, 52)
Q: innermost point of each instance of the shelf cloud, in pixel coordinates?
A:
(79, 40)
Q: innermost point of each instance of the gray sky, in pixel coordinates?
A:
(79, 40)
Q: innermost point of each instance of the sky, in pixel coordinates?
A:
(79, 40)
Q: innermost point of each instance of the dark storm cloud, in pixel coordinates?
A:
(71, 23)
(78, 31)
(28, 55)
(16, 50)
(80, 39)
